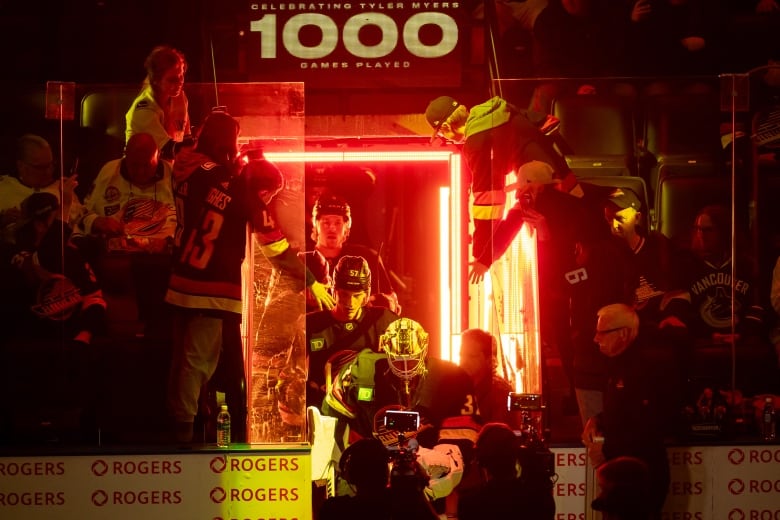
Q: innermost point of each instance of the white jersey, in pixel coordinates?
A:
(13, 193)
(147, 212)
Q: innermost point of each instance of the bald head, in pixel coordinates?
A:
(141, 159)
(34, 161)
(141, 144)
(619, 315)
(616, 329)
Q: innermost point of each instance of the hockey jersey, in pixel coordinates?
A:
(366, 387)
(325, 336)
(148, 212)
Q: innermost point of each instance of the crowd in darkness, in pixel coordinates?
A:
(587, 38)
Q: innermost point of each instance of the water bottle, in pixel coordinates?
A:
(768, 420)
(223, 427)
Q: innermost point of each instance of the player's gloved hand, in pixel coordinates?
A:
(321, 296)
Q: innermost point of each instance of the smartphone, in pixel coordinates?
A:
(402, 420)
(524, 402)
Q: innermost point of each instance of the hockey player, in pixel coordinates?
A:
(352, 325)
(370, 386)
(400, 376)
(214, 207)
(332, 221)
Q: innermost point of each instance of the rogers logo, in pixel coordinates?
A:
(736, 456)
(218, 495)
(736, 514)
(218, 464)
(99, 498)
(736, 486)
(99, 468)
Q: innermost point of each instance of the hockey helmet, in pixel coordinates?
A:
(330, 204)
(405, 343)
(353, 274)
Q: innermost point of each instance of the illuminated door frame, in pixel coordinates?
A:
(451, 232)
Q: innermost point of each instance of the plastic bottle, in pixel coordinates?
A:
(223, 427)
(769, 420)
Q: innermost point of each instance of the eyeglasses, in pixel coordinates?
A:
(608, 331)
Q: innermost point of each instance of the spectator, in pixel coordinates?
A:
(332, 222)
(632, 422)
(581, 268)
(497, 139)
(654, 257)
(352, 324)
(706, 272)
(58, 297)
(215, 206)
(570, 42)
(161, 108)
(724, 302)
(624, 484)
(364, 465)
(54, 315)
(478, 352)
(130, 211)
(131, 202)
(512, 483)
(668, 37)
(34, 173)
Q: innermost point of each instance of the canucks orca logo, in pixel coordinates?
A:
(57, 299)
(145, 217)
(715, 311)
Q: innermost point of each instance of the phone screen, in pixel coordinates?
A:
(402, 421)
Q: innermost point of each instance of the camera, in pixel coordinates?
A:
(530, 407)
(534, 452)
(524, 402)
(405, 472)
(402, 421)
